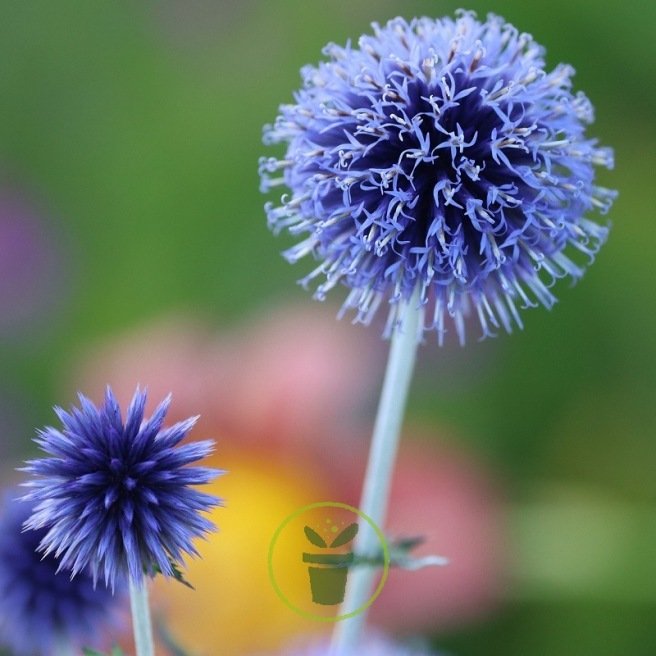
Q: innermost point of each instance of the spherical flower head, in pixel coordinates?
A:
(40, 607)
(116, 497)
(439, 158)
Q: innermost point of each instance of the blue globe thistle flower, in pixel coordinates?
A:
(440, 158)
(116, 497)
(41, 607)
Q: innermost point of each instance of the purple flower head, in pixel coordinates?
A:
(439, 158)
(116, 497)
(40, 607)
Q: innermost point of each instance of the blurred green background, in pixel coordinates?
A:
(130, 132)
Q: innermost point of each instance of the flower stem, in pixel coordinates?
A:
(143, 632)
(380, 467)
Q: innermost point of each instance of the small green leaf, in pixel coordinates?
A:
(408, 544)
(345, 536)
(315, 538)
(398, 550)
(177, 574)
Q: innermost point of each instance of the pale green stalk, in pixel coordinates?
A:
(380, 467)
(141, 625)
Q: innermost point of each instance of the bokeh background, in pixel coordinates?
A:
(133, 248)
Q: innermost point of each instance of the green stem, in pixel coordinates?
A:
(380, 467)
(143, 632)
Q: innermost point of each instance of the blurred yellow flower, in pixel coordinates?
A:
(234, 609)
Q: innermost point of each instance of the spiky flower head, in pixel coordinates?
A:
(116, 497)
(439, 158)
(41, 608)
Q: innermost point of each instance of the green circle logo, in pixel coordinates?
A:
(325, 566)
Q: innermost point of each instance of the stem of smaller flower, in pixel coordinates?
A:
(143, 631)
(380, 467)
